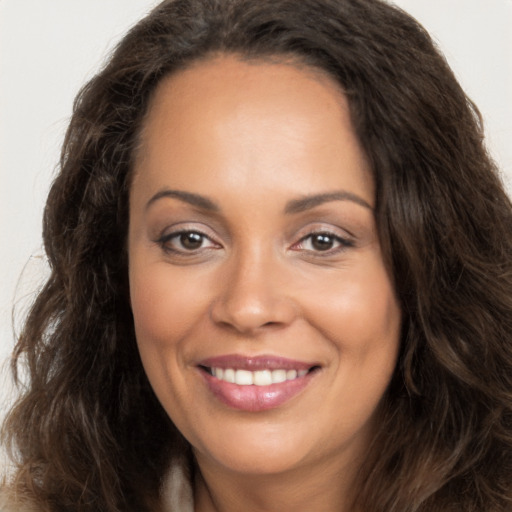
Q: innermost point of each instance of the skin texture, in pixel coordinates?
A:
(253, 138)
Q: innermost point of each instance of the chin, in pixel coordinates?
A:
(253, 449)
(256, 460)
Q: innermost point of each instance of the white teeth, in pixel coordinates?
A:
(263, 378)
(278, 376)
(291, 374)
(243, 378)
(229, 375)
(258, 378)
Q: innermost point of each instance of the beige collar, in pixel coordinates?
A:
(177, 490)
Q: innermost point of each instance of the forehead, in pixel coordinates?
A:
(258, 121)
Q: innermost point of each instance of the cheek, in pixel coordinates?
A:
(165, 305)
(359, 307)
(364, 323)
(164, 312)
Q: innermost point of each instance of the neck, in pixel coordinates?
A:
(220, 490)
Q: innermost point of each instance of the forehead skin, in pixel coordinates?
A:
(177, 96)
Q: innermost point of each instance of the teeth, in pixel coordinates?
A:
(278, 376)
(257, 378)
(243, 378)
(291, 374)
(229, 375)
(263, 378)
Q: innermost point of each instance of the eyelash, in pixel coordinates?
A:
(343, 243)
(165, 243)
(165, 240)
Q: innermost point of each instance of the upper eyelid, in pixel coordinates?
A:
(344, 240)
(328, 233)
(173, 234)
(185, 227)
(210, 226)
(323, 227)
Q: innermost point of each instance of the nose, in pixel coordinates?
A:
(254, 295)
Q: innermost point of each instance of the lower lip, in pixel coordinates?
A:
(255, 398)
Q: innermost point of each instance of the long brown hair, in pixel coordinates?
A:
(88, 434)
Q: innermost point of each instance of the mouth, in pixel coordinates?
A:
(256, 384)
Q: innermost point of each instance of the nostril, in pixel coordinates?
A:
(271, 324)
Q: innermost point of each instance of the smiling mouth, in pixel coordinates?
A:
(256, 383)
(257, 378)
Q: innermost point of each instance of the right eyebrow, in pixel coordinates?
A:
(203, 202)
(311, 201)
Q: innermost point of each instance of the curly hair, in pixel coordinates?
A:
(87, 432)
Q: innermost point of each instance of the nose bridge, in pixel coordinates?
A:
(254, 294)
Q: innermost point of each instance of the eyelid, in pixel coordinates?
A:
(179, 227)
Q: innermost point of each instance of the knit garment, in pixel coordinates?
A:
(177, 493)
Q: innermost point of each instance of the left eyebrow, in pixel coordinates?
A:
(187, 197)
(308, 202)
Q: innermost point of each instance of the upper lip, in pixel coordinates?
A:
(254, 363)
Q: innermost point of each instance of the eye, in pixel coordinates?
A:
(322, 242)
(186, 241)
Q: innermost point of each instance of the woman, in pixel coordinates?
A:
(281, 276)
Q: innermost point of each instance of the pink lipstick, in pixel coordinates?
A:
(255, 383)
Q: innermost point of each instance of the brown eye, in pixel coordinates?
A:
(322, 242)
(191, 240)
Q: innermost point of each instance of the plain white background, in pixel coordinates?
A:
(48, 49)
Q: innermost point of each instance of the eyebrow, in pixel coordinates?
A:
(293, 206)
(311, 201)
(200, 201)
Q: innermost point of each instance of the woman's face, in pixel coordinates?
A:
(266, 320)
